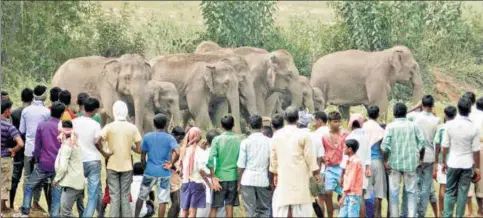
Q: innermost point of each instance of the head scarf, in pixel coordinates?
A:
(192, 138)
(120, 111)
(356, 117)
(41, 97)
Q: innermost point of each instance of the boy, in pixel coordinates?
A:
(81, 98)
(175, 181)
(148, 207)
(352, 183)
(158, 146)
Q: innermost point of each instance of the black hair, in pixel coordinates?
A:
(277, 121)
(65, 97)
(352, 144)
(464, 106)
(291, 115)
(373, 112)
(54, 94)
(400, 110)
(6, 104)
(40, 90)
(138, 169)
(210, 135)
(27, 95)
(160, 121)
(81, 97)
(4, 93)
(320, 115)
(470, 96)
(227, 122)
(67, 124)
(256, 121)
(57, 110)
(334, 115)
(479, 104)
(267, 131)
(91, 104)
(356, 124)
(428, 101)
(450, 112)
(178, 131)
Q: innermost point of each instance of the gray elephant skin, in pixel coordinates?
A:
(163, 97)
(109, 80)
(355, 77)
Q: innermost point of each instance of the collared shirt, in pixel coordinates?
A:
(121, 137)
(46, 144)
(225, 148)
(199, 164)
(32, 115)
(353, 176)
(255, 158)
(476, 116)
(403, 140)
(428, 124)
(9, 132)
(333, 149)
(462, 139)
(69, 171)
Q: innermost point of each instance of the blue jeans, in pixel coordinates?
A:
(92, 171)
(410, 186)
(351, 206)
(36, 179)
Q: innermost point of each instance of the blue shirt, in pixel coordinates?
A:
(376, 151)
(158, 147)
(30, 119)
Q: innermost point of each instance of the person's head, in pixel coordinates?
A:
(267, 131)
(304, 119)
(54, 94)
(227, 122)
(5, 95)
(67, 128)
(40, 93)
(470, 96)
(351, 147)
(464, 107)
(449, 113)
(193, 136)
(320, 119)
(91, 105)
(178, 133)
(160, 121)
(291, 115)
(255, 122)
(334, 118)
(373, 112)
(400, 110)
(120, 111)
(6, 108)
(428, 103)
(138, 169)
(57, 110)
(277, 121)
(81, 97)
(65, 97)
(356, 121)
(27, 95)
(210, 135)
(479, 104)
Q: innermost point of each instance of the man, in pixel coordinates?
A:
(31, 116)
(54, 94)
(225, 150)
(120, 135)
(9, 132)
(472, 97)
(27, 96)
(293, 163)
(403, 145)
(80, 102)
(277, 122)
(88, 133)
(175, 179)
(462, 139)
(429, 125)
(65, 98)
(253, 163)
(5, 96)
(46, 148)
(476, 117)
(320, 124)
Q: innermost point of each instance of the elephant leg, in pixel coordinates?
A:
(344, 110)
(185, 116)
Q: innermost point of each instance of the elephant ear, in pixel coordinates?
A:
(111, 71)
(149, 71)
(396, 60)
(208, 76)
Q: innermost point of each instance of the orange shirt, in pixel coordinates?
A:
(353, 176)
(333, 148)
(67, 115)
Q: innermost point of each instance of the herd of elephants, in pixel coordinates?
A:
(213, 81)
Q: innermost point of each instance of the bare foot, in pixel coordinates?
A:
(37, 207)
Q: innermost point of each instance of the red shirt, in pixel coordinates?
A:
(333, 148)
(353, 176)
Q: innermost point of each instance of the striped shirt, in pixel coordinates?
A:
(403, 140)
(9, 132)
(30, 119)
(255, 158)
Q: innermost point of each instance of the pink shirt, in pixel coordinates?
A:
(333, 148)
(353, 177)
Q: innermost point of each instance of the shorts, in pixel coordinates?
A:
(7, 170)
(441, 177)
(193, 195)
(332, 176)
(377, 181)
(228, 195)
(163, 188)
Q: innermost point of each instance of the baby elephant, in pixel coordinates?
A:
(163, 97)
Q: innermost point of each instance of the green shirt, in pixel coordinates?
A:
(225, 149)
(403, 140)
(96, 117)
(438, 140)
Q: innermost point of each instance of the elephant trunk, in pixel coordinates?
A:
(248, 100)
(295, 89)
(234, 100)
(139, 112)
(417, 86)
(175, 115)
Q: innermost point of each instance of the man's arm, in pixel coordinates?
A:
(19, 146)
(476, 150)
(61, 167)
(446, 145)
(143, 159)
(386, 145)
(310, 159)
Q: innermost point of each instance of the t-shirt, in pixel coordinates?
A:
(67, 115)
(135, 188)
(87, 130)
(15, 117)
(158, 146)
(96, 117)
(438, 140)
(428, 124)
(120, 137)
(317, 147)
(8, 133)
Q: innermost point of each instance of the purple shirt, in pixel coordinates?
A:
(9, 132)
(46, 144)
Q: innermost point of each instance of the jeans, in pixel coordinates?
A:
(457, 186)
(410, 185)
(92, 171)
(119, 191)
(28, 168)
(35, 180)
(69, 196)
(256, 201)
(425, 180)
(432, 199)
(16, 176)
(351, 206)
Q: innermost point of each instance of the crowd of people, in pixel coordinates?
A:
(291, 167)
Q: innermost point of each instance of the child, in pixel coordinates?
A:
(267, 131)
(175, 182)
(352, 183)
(148, 207)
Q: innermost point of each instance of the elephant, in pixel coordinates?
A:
(163, 97)
(270, 72)
(108, 79)
(355, 77)
(319, 101)
(200, 79)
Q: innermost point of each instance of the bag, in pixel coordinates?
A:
(315, 188)
(318, 211)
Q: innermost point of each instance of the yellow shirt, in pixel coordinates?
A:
(120, 137)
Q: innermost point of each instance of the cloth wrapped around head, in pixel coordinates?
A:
(193, 136)
(120, 111)
(356, 117)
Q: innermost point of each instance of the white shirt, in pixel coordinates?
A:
(87, 129)
(462, 139)
(476, 117)
(135, 187)
(429, 125)
(255, 158)
(317, 147)
(199, 163)
(205, 155)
